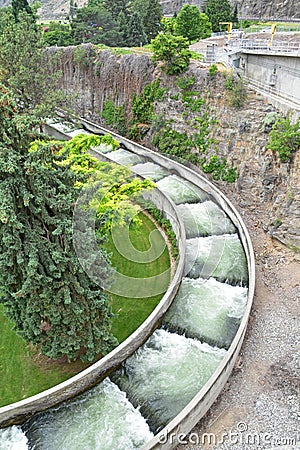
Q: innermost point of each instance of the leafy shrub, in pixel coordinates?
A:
(184, 82)
(173, 51)
(213, 69)
(219, 168)
(285, 138)
(115, 116)
(142, 105)
(237, 93)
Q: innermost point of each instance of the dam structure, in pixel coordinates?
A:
(159, 382)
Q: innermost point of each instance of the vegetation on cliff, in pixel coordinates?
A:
(285, 138)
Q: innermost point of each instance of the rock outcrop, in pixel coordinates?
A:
(53, 9)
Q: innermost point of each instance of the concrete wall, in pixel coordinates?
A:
(277, 76)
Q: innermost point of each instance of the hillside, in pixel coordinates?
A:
(59, 9)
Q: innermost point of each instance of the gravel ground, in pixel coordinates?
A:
(259, 406)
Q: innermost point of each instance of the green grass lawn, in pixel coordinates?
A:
(131, 312)
(20, 374)
(24, 372)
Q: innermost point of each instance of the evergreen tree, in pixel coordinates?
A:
(95, 25)
(192, 24)
(123, 29)
(218, 11)
(235, 18)
(27, 69)
(46, 293)
(136, 30)
(20, 6)
(152, 19)
(116, 7)
(92, 3)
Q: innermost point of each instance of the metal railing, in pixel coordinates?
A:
(261, 45)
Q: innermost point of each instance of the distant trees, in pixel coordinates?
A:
(151, 14)
(136, 32)
(57, 33)
(218, 11)
(21, 6)
(26, 69)
(116, 6)
(95, 25)
(192, 24)
(117, 23)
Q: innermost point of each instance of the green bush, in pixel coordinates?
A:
(213, 69)
(173, 51)
(237, 92)
(114, 116)
(142, 105)
(219, 169)
(285, 139)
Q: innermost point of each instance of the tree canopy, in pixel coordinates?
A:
(95, 25)
(44, 288)
(26, 69)
(218, 11)
(21, 6)
(173, 51)
(117, 23)
(192, 24)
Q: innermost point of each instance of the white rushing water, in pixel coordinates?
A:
(203, 219)
(13, 438)
(181, 190)
(221, 257)
(101, 419)
(105, 148)
(166, 373)
(150, 170)
(125, 157)
(208, 310)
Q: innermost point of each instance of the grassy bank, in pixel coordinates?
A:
(131, 312)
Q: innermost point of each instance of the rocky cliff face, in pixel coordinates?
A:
(264, 185)
(51, 9)
(268, 8)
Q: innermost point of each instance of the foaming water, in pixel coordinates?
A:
(181, 190)
(105, 148)
(13, 438)
(125, 157)
(203, 219)
(207, 310)
(150, 170)
(101, 419)
(165, 374)
(221, 257)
